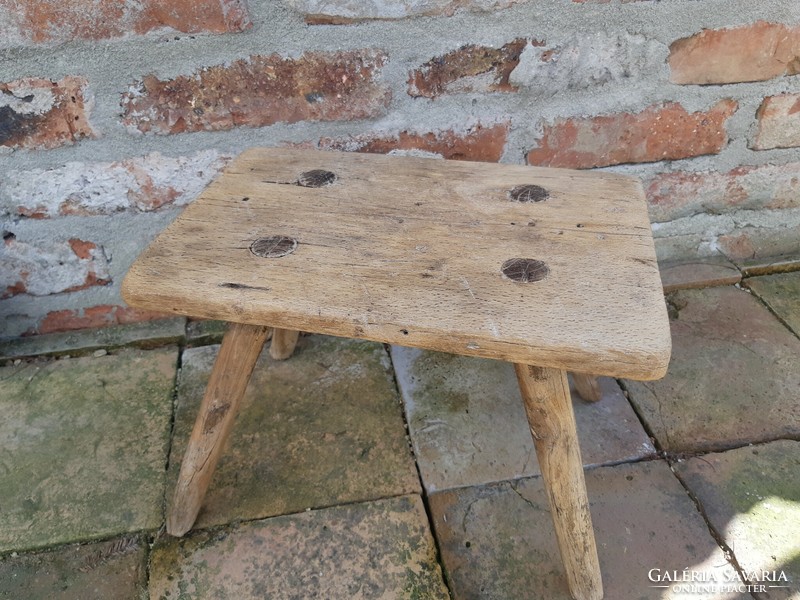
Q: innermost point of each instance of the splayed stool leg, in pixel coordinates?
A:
(237, 357)
(283, 343)
(545, 394)
(587, 386)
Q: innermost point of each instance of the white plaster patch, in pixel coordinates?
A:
(139, 184)
(588, 60)
(27, 99)
(415, 153)
(48, 269)
(392, 9)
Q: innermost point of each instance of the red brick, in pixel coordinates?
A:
(759, 242)
(81, 248)
(102, 315)
(128, 314)
(477, 143)
(39, 113)
(778, 122)
(261, 90)
(660, 132)
(469, 69)
(737, 246)
(16, 288)
(55, 21)
(338, 12)
(756, 52)
(144, 184)
(680, 194)
(70, 320)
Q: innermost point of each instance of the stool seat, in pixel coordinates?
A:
(552, 270)
(546, 267)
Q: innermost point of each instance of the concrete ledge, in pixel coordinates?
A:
(147, 334)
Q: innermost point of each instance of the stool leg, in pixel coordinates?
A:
(283, 343)
(587, 386)
(237, 356)
(545, 393)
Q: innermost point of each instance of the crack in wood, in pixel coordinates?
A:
(243, 286)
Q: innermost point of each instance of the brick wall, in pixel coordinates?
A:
(114, 115)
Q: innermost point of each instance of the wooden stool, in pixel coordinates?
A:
(552, 270)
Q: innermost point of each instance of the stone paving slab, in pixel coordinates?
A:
(498, 543)
(322, 428)
(83, 445)
(733, 378)
(147, 334)
(468, 425)
(113, 569)
(751, 496)
(782, 294)
(707, 272)
(374, 550)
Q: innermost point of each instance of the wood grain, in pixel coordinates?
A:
(410, 251)
(587, 386)
(241, 346)
(545, 393)
(283, 343)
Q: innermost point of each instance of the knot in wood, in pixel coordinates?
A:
(524, 270)
(537, 373)
(529, 193)
(274, 246)
(316, 178)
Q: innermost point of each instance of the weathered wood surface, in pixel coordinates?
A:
(424, 253)
(237, 356)
(545, 393)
